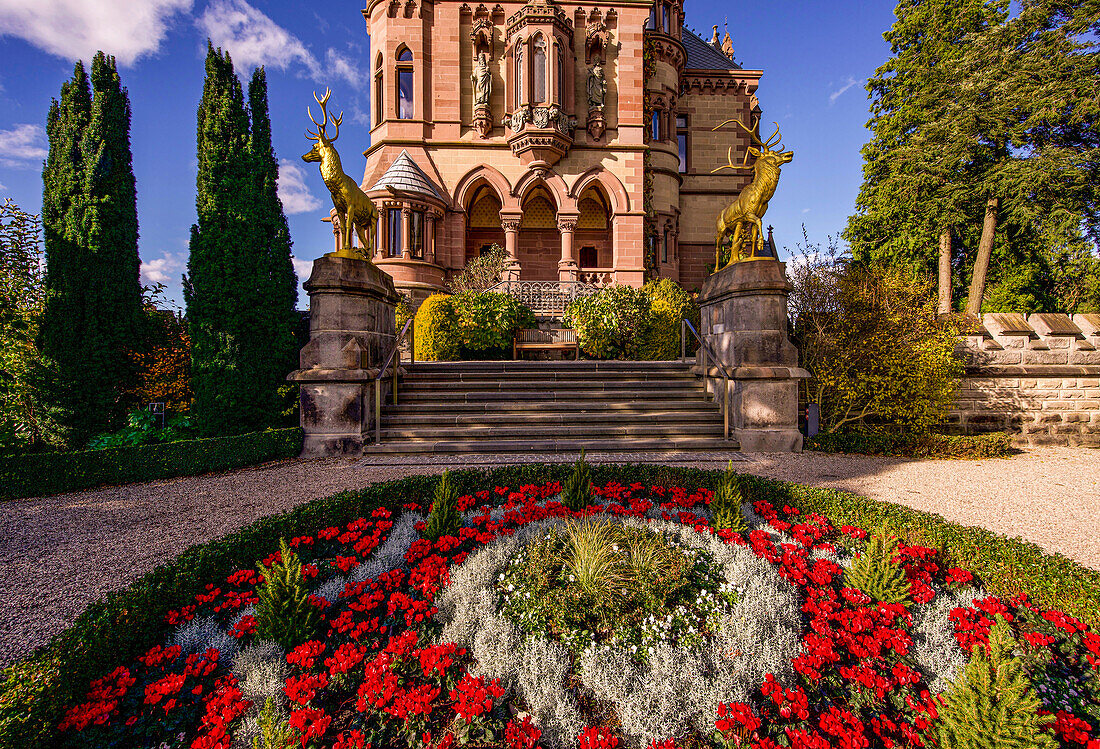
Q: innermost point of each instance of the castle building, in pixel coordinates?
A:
(577, 137)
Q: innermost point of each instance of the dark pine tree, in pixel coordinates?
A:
(92, 322)
(240, 289)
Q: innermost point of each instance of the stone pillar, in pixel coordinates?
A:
(406, 232)
(510, 224)
(567, 266)
(429, 237)
(744, 320)
(351, 331)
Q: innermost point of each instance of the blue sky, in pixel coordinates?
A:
(816, 58)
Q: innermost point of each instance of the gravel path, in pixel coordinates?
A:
(60, 553)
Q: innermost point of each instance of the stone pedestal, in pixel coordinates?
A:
(351, 331)
(744, 320)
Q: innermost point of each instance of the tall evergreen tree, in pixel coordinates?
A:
(984, 146)
(92, 322)
(239, 289)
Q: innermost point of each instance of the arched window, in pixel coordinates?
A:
(519, 74)
(404, 83)
(379, 91)
(538, 72)
(559, 72)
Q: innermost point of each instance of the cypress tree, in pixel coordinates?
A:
(240, 289)
(92, 322)
(278, 284)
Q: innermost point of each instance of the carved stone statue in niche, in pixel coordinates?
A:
(483, 81)
(597, 86)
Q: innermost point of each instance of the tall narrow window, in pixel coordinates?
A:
(416, 234)
(519, 74)
(651, 24)
(404, 84)
(393, 223)
(538, 72)
(655, 125)
(560, 73)
(682, 141)
(665, 26)
(664, 248)
(379, 89)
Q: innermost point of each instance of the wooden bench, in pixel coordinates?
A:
(531, 339)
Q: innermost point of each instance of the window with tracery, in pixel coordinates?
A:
(404, 84)
(519, 73)
(538, 72)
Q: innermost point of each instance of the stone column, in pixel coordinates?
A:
(510, 224)
(406, 232)
(429, 236)
(351, 331)
(744, 320)
(567, 266)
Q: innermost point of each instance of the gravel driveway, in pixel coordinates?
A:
(60, 553)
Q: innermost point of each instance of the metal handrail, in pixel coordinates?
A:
(704, 347)
(396, 351)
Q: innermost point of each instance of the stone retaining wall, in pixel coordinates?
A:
(1038, 376)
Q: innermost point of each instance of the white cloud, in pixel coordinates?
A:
(302, 267)
(23, 145)
(127, 29)
(293, 190)
(805, 210)
(166, 269)
(252, 38)
(344, 67)
(840, 91)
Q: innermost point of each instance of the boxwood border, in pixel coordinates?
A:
(118, 628)
(39, 474)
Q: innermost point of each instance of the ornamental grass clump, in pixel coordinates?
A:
(576, 492)
(444, 518)
(726, 505)
(877, 573)
(284, 613)
(992, 705)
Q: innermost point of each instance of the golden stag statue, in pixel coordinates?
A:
(748, 209)
(355, 210)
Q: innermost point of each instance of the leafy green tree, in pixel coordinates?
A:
(29, 415)
(93, 315)
(984, 149)
(239, 289)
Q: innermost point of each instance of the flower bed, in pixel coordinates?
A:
(422, 645)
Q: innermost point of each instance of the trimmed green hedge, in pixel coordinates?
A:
(124, 625)
(996, 445)
(54, 473)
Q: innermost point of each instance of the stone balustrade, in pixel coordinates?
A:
(1036, 375)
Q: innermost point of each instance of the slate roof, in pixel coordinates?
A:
(702, 56)
(404, 175)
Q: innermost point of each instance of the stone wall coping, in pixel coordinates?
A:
(756, 373)
(317, 374)
(1042, 370)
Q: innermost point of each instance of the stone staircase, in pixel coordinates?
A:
(551, 407)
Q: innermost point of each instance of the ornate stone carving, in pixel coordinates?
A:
(567, 224)
(509, 224)
(596, 39)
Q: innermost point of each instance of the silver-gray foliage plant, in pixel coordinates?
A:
(664, 694)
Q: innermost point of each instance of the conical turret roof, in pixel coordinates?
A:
(405, 176)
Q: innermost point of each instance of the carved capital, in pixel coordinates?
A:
(567, 224)
(509, 224)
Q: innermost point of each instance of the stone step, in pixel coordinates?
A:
(577, 431)
(609, 408)
(620, 445)
(474, 378)
(521, 384)
(702, 413)
(549, 366)
(546, 396)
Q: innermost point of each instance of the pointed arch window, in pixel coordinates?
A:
(559, 74)
(379, 91)
(519, 74)
(404, 83)
(538, 69)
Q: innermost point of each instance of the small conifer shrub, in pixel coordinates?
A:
(275, 730)
(727, 501)
(992, 705)
(444, 518)
(876, 573)
(284, 613)
(576, 492)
